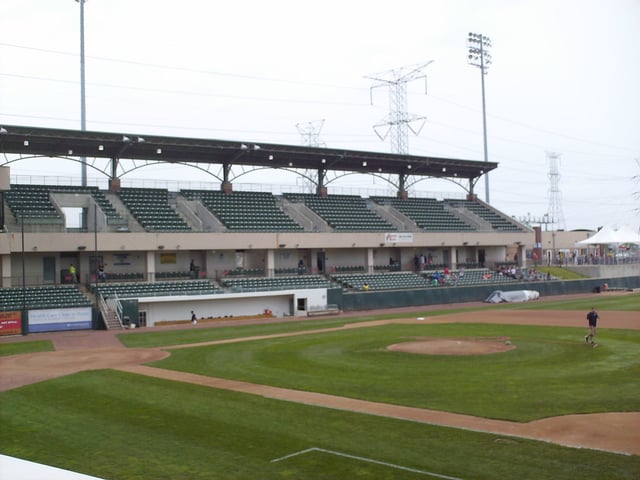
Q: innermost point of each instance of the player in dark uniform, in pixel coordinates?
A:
(592, 318)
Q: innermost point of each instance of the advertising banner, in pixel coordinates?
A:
(59, 319)
(402, 237)
(10, 323)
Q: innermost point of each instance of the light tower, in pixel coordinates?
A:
(555, 198)
(398, 121)
(479, 56)
(83, 112)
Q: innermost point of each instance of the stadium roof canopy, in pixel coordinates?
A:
(32, 141)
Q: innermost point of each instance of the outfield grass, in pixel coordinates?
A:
(602, 302)
(122, 426)
(26, 347)
(551, 372)
(118, 425)
(165, 338)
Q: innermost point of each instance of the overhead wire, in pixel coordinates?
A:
(289, 100)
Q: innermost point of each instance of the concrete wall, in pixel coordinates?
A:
(599, 271)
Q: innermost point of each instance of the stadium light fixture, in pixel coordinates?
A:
(83, 103)
(479, 56)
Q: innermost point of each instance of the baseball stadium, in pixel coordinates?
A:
(191, 330)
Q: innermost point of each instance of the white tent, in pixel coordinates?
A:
(610, 234)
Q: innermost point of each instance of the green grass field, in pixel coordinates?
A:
(26, 347)
(544, 376)
(118, 425)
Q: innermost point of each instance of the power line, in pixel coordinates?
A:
(285, 81)
(183, 69)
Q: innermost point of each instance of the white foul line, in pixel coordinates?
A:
(363, 459)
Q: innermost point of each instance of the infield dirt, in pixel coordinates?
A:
(90, 350)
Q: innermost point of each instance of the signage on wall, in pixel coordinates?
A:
(404, 237)
(10, 323)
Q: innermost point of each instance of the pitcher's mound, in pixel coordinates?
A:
(454, 346)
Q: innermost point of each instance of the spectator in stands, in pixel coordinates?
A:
(101, 273)
(73, 273)
(301, 267)
(365, 287)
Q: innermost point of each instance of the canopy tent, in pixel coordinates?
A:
(610, 234)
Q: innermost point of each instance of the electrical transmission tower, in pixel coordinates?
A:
(555, 198)
(310, 132)
(398, 122)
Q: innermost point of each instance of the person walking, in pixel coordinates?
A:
(592, 318)
(193, 317)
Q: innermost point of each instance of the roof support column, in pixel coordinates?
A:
(321, 189)
(114, 181)
(227, 186)
(402, 184)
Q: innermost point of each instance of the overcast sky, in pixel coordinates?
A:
(565, 78)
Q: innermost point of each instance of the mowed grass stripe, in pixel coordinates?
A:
(551, 372)
(117, 425)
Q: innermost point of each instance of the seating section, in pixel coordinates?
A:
(174, 275)
(245, 272)
(276, 283)
(497, 221)
(381, 281)
(33, 203)
(67, 296)
(150, 207)
(245, 211)
(343, 212)
(475, 276)
(159, 289)
(125, 276)
(428, 213)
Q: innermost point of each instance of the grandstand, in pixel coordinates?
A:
(156, 253)
(244, 211)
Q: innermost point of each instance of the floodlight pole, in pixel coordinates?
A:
(83, 112)
(479, 56)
